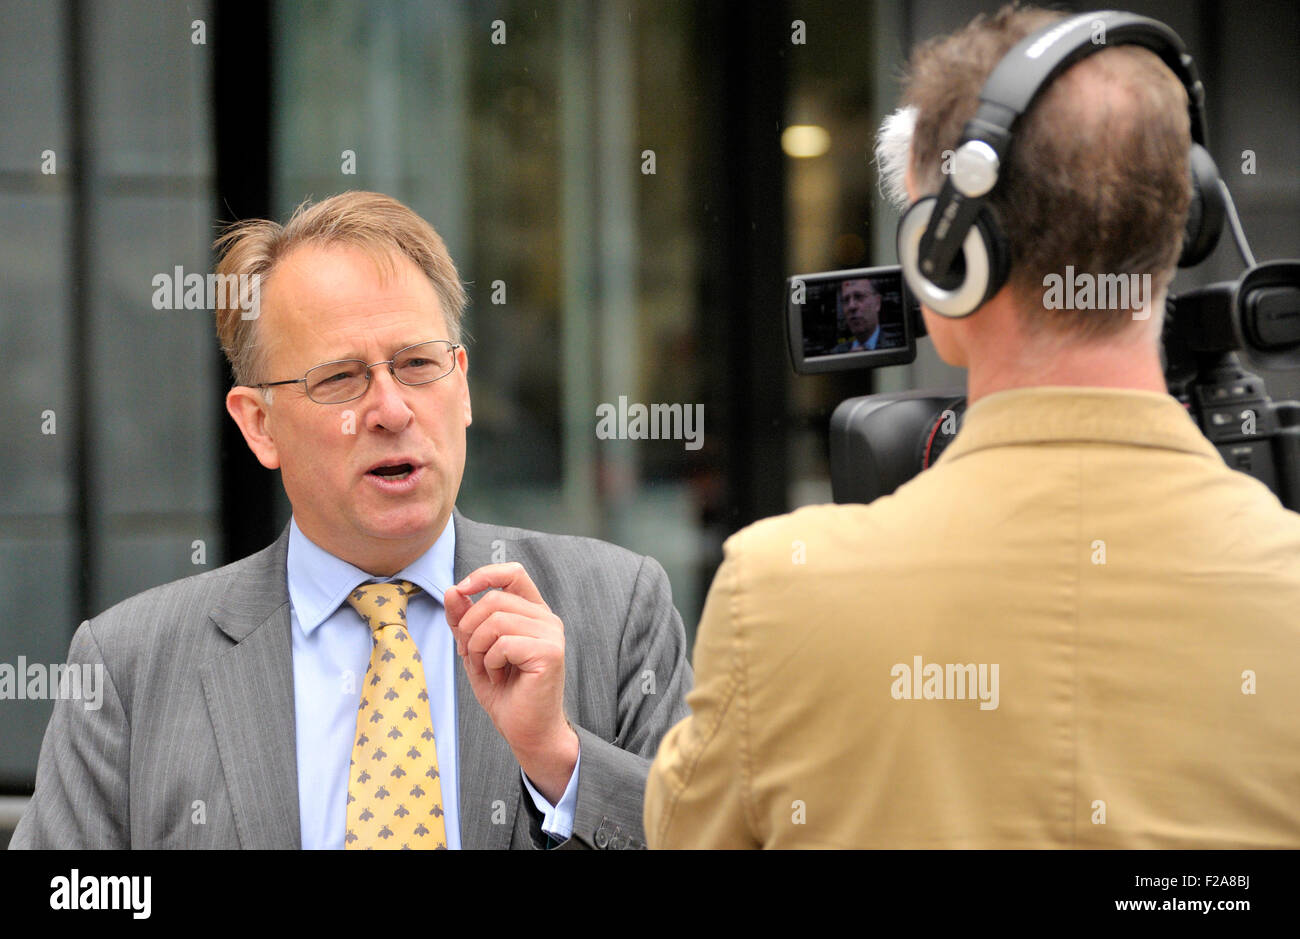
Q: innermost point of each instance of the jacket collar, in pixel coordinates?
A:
(1057, 414)
(258, 586)
(249, 692)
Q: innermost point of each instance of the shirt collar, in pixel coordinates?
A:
(319, 582)
(1055, 414)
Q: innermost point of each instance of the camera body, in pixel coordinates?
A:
(879, 442)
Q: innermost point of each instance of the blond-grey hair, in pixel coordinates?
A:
(379, 224)
(893, 148)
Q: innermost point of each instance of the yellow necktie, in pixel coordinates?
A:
(394, 794)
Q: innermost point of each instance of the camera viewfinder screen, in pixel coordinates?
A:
(861, 314)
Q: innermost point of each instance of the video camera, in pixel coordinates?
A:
(878, 442)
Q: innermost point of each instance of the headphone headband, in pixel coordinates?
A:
(1037, 59)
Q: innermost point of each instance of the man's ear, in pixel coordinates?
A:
(249, 410)
(462, 359)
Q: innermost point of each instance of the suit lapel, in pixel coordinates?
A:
(249, 692)
(487, 768)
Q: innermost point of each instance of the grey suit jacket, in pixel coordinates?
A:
(194, 744)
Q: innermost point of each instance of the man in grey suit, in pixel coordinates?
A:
(230, 712)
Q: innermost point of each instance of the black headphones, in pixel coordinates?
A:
(952, 251)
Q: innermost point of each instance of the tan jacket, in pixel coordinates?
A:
(1107, 621)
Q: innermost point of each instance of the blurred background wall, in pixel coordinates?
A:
(613, 181)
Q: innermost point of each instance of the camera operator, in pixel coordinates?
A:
(1079, 628)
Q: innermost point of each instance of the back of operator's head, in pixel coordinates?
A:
(1096, 177)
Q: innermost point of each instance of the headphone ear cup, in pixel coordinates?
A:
(911, 225)
(999, 251)
(1205, 212)
(983, 252)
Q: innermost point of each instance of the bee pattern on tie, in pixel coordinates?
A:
(374, 818)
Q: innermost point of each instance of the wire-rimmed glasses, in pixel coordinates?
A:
(349, 379)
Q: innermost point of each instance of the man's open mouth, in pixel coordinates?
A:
(393, 471)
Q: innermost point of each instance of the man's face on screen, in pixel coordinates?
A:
(861, 302)
(374, 478)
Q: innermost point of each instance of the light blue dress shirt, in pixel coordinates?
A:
(331, 649)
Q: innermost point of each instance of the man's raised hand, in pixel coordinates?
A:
(513, 649)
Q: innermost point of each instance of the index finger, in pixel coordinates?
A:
(510, 577)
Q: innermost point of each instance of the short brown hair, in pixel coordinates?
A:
(370, 220)
(1096, 180)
